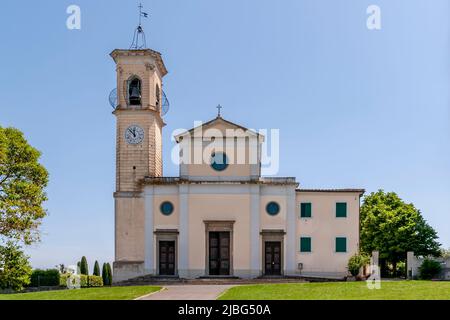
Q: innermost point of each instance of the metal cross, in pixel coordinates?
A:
(218, 109)
(140, 12)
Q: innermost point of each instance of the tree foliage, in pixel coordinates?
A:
(394, 227)
(84, 266)
(15, 270)
(22, 183)
(105, 274)
(108, 267)
(96, 269)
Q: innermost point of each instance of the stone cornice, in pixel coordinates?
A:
(142, 52)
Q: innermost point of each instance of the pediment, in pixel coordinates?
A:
(221, 125)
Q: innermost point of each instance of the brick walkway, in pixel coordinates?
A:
(188, 292)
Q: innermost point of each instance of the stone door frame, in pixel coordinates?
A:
(268, 235)
(166, 235)
(218, 226)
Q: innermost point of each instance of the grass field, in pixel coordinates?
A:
(390, 290)
(105, 293)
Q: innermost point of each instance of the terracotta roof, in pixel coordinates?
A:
(360, 191)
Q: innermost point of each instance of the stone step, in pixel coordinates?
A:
(152, 280)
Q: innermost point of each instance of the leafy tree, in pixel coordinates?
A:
(429, 269)
(105, 274)
(96, 269)
(15, 270)
(22, 183)
(394, 227)
(84, 266)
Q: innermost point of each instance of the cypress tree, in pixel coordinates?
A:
(84, 266)
(105, 274)
(108, 266)
(96, 269)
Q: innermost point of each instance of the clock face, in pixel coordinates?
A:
(134, 134)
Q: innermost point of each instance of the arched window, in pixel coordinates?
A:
(158, 96)
(134, 91)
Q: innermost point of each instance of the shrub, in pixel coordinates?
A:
(50, 277)
(63, 280)
(429, 269)
(356, 262)
(15, 267)
(94, 281)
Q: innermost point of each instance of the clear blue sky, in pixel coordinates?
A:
(356, 108)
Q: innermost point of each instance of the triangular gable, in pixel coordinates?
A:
(217, 122)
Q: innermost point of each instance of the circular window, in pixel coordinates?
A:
(166, 208)
(219, 161)
(273, 208)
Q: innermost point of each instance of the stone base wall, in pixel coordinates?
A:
(125, 270)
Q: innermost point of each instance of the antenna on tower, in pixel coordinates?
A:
(139, 35)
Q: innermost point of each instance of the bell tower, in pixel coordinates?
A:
(139, 104)
(139, 116)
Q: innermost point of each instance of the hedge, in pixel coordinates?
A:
(94, 281)
(45, 278)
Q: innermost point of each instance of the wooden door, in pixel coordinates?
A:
(273, 258)
(167, 258)
(219, 253)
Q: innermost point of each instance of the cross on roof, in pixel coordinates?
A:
(219, 107)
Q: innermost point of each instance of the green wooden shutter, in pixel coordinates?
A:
(341, 244)
(305, 244)
(305, 210)
(341, 209)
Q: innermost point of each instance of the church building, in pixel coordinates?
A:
(219, 217)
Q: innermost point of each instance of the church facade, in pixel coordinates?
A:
(219, 217)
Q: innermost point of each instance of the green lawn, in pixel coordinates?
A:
(390, 290)
(105, 293)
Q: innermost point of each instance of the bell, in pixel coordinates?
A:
(135, 96)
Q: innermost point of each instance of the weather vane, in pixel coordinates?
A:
(139, 35)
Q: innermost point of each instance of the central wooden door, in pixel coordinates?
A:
(167, 258)
(219, 253)
(272, 258)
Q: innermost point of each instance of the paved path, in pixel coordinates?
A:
(188, 292)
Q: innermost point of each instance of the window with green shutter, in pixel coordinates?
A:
(305, 244)
(341, 244)
(305, 210)
(341, 209)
